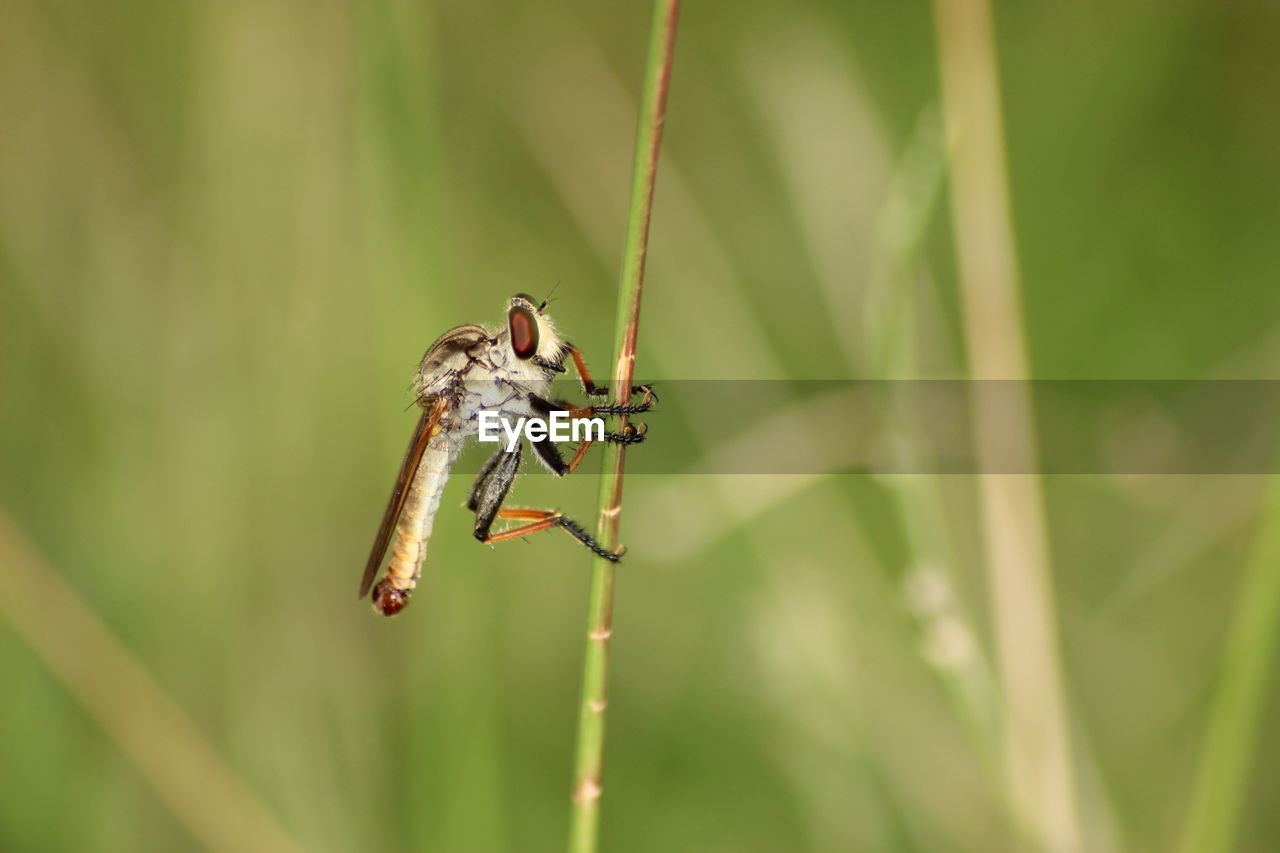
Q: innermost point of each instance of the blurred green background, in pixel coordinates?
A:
(229, 230)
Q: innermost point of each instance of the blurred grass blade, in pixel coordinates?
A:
(584, 826)
(1037, 755)
(1217, 799)
(891, 346)
(131, 708)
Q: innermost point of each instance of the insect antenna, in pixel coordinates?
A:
(547, 301)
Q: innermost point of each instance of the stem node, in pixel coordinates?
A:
(589, 759)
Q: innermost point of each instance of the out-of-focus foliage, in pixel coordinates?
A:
(228, 231)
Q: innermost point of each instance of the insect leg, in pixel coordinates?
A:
(489, 493)
(578, 454)
(593, 390)
(542, 519)
(549, 456)
(590, 388)
(545, 449)
(473, 499)
(546, 407)
(630, 435)
(647, 399)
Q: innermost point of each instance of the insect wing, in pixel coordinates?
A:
(421, 435)
(449, 359)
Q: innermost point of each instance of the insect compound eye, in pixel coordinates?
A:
(524, 332)
(387, 599)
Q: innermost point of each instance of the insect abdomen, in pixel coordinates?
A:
(413, 530)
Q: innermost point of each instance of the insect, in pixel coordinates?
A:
(470, 369)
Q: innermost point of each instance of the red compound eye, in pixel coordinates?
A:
(524, 332)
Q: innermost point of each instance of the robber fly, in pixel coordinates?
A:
(468, 370)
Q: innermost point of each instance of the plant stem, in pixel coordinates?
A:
(1037, 744)
(1229, 752)
(584, 826)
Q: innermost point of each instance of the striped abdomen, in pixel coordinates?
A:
(413, 530)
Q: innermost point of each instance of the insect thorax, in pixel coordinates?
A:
(492, 381)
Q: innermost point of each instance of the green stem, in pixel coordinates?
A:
(1229, 750)
(584, 827)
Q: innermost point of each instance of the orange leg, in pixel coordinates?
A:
(587, 385)
(629, 436)
(522, 530)
(593, 390)
(578, 454)
(542, 519)
(527, 514)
